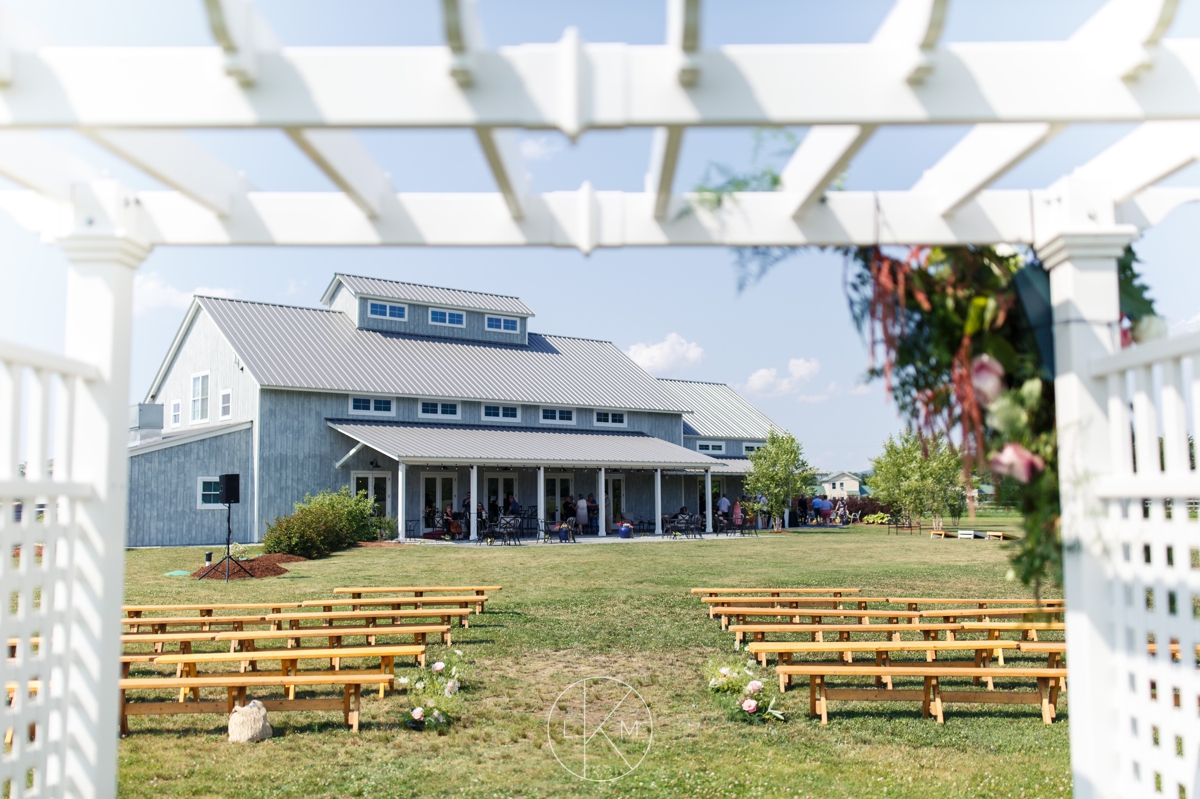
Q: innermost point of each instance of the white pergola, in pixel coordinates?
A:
(139, 103)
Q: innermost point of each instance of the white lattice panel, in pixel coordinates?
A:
(37, 538)
(1154, 547)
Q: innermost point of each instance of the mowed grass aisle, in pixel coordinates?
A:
(621, 610)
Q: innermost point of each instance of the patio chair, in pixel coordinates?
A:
(410, 528)
(509, 530)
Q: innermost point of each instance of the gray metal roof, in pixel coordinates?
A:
(428, 295)
(718, 411)
(732, 466)
(309, 348)
(485, 444)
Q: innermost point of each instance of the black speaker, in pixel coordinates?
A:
(231, 489)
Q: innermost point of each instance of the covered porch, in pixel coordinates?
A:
(430, 466)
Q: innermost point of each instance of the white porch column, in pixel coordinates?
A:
(708, 503)
(1083, 291)
(474, 501)
(541, 495)
(401, 496)
(658, 501)
(99, 303)
(600, 526)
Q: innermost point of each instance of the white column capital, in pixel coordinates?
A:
(85, 249)
(1077, 246)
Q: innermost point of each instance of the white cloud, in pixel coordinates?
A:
(542, 148)
(831, 390)
(151, 292)
(674, 353)
(1188, 326)
(768, 382)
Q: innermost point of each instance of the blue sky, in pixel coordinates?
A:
(679, 310)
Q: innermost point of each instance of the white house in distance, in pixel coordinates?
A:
(841, 484)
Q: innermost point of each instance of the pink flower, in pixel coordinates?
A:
(753, 687)
(750, 706)
(987, 376)
(418, 714)
(723, 671)
(1016, 462)
(438, 667)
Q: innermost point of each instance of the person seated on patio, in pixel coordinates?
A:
(481, 513)
(581, 512)
(737, 512)
(430, 514)
(514, 507)
(683, 511)
(447, 518)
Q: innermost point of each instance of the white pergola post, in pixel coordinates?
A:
(600, 526)
(708, 503)
(98, 329)
(474, 500)
(1083, 291)
(401, 496)
(541, 495)
(658, 502)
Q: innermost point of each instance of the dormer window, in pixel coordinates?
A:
(502, 324)
(610, 419)
(711, 446)
(558, 416)
(750, 449)
(386, 310)
(501, 413)
(372, 406)
(448, 318)
(431, 409)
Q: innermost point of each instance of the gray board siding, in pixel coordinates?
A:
(416, 323)
(434, 295)
(163, 493)
(205, 349)
(308, 348)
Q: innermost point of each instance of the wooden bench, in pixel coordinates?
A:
(759, 630)
(289, 660)
(244, 640)
(1028, 629)
(774, 591)
(740, 612)
(1054, 650)
(421, 590)
(931, 697)
(276, 621)
(985, 614)
(236, 686)
(914, 603)
(208, 609)
(357, 605)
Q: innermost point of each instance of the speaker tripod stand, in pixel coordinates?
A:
(228, 559)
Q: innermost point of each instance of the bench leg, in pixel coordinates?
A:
(421, 660)
(878, 662)
(346, 704)
(812, 697)
(124, 717)
(784, 681)
(737, 641)
(925, 701)
(937, 701)
(822, 701)
(1044, 693)
(762, 659)
(387, 665)
(1055, 687)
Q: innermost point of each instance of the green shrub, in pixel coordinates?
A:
(876, 518)
(322, 524)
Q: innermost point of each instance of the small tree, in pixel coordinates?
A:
(778, 471)
(916, 477)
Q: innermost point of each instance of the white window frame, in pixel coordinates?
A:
(350, 405)
(710, 445)
(572, 422)
(488, 317)
(447, 323)
(207, 398)
(387, 312)
(176, 411)
(596, 419)
(501, 419)
(200, 503)
(754, 446)
(221, 412)
(439, 415)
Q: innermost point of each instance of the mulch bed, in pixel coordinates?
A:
(262, 566)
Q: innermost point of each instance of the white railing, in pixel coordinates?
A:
(1152, 619)
(38, 569)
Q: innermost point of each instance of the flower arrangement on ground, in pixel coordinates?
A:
(434, 700)
(755, 701)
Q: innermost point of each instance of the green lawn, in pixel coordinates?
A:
(621, 610)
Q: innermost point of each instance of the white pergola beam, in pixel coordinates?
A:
(464, 35)
(825, 153)
(345, 160)
(1133, 28)
(978, 159)
(664, 158)
(174, 159)
(1150, 153)
(914, 24)
(620, 86)
(31, 160)
(1153, 205)
(504, 159)
(232, 24)
(582, 219)
(683, 32)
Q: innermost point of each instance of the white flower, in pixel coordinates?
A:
(439, 667)
(420, 686)
(418, 714)
(458, 652)
(451, 688)
(713, 683)
(723, 671)
(437, 715)
(751, 664)
(403, 681)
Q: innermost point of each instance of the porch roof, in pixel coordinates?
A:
(731, 466)
(415, 442)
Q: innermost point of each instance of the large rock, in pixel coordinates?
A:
(249, 723)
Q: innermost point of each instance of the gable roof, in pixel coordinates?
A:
(426, 295)
(285, 346)
(718, 411)
(827, 478)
